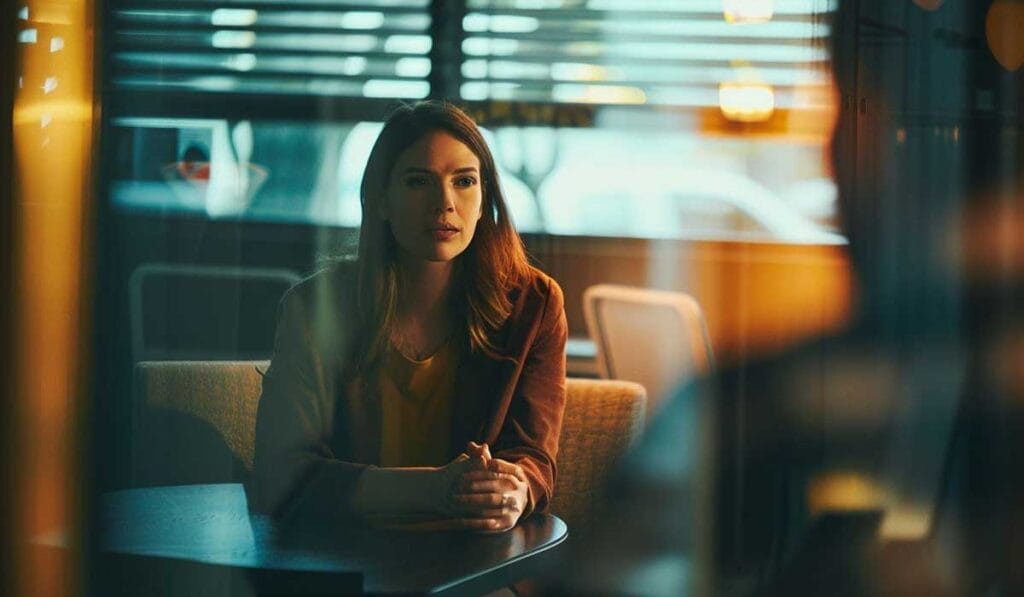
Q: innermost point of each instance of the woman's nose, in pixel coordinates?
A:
(445, 202)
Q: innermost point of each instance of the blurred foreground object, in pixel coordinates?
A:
(49, 84)
(882, 458)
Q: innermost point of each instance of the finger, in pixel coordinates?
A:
(481, 450)
(483, 475)
(485, 511)
(488, 513)
(480, 501)
(487, 475)
(466, 463)
(483, 525)
(508, 505)
(500, 486)
(503, 466)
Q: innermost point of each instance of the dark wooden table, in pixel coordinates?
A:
(210, 526)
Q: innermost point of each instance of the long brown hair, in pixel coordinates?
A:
(493, 264)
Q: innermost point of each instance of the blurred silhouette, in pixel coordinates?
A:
(884, 459)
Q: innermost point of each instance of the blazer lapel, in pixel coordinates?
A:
(364, 421)
(480, 383)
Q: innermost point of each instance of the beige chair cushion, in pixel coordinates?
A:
(195, 421)
(602, 419)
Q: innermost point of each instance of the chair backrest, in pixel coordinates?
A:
(656, 338)
(602, 419)
(195, 421)
(186, 311)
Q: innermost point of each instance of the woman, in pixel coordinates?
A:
(426, 381)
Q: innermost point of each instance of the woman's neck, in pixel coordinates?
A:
(424, 290)
(423, 320)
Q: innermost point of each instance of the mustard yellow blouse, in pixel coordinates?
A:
(417, 398)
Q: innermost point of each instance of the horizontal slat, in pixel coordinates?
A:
(173, 72)
(570, 15)
(481, 47)
(263, 21)
(651, 62)
(647, 84)
(541, 59)
(781, 7)
(313, 76)
(328, 86)
(693, 96)
(267, 52)
(399, 7)
(251, 65)
(494, 70)
(297, 42)
(311, 28)
(172, 103)
(596, 29)
(552, 37)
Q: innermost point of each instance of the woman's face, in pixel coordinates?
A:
(434, 198)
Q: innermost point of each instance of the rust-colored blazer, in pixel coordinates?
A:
(316, 431)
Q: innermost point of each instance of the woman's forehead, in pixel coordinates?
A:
(437, 151)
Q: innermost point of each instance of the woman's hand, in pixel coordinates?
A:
(450, 479)
(492, 499)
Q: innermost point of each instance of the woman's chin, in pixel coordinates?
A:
(444, 253)
(443, 257)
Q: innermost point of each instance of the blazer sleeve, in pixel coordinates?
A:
(295, 472)
(529, 434)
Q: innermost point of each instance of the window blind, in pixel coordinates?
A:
(341, 48)
(613, 52)
(659, 52)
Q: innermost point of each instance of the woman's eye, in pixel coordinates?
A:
(465, 181)
(415, 181)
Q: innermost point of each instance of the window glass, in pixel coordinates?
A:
(707, 116)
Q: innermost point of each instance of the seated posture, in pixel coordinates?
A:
(422, 383)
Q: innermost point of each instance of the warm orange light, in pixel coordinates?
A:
(746, 101)
(52, 122)
(1003, 26)
(843, 491)
(747, 11)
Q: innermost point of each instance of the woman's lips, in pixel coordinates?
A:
(444, 233)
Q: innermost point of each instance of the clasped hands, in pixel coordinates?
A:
(482, 493)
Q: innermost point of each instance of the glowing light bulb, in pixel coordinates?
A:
(747, 11)
(746, 101)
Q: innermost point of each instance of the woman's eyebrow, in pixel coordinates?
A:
(462, 170)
